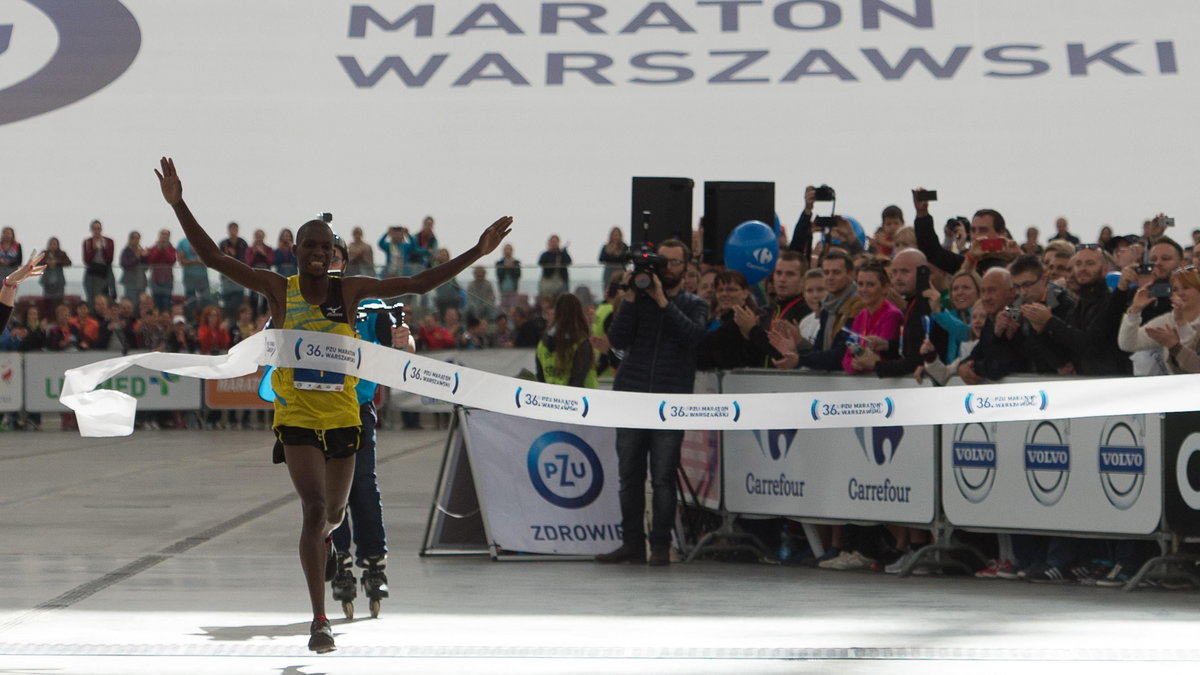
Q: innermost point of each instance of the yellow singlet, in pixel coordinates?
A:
(302, 397)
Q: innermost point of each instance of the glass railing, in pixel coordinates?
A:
(585, 280)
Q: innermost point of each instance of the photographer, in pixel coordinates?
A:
(991, 245)
(660, 327)
(841, 234)
(1165, 256)
(997, 354)
(1039, 300)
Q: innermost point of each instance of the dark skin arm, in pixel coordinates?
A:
(359, 288)
(274, 286)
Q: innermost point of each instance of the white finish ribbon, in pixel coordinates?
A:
(110, 413)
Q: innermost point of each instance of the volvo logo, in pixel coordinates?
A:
(973, 459)
(97, 42)
(1122, 460)
(1048, 460)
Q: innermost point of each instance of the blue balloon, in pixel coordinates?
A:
(752, 249)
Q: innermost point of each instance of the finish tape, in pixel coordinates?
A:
(110, 413)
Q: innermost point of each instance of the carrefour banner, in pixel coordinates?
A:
(1099, 475)
(883, 473)
(545, 488)
(384, 111)
(149, 389)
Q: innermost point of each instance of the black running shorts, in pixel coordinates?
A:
(335, 443)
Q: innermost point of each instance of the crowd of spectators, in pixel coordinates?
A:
(969, 301)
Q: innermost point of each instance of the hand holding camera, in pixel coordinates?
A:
(1037, 314)
(1140, 300)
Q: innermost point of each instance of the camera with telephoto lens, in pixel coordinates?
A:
(647, 264)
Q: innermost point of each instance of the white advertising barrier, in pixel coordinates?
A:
(151, 388)
(1097, 475)
(499, 361)
(545, 487)
(111, 412)
(884, 473)
(12, 383)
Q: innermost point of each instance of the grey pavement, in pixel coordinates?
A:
(174, 551)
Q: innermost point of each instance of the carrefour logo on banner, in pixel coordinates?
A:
(973, 458)
(1048, 460)
(565, 470)
(95, 42)
(777, 442)
(885, 441)
(852, 408)
(732, 411)
(431, 376)
(570, 405)
(975, 403)
(1122, 461)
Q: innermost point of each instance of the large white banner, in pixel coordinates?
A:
(12, 382)
(383, 111)
(1099, 475)
(877, 474)
(151, 389)
(544, 487)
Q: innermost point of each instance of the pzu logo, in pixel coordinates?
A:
(565, 470)
(1048, 460)
(1122, 460)
(97, 42)
(973, 458)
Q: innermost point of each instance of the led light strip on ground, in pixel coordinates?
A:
(110, 413)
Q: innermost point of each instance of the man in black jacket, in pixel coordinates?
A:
(1039, 300)
(998, 352)
(991, 245)
(1089, 330)
(660, 328)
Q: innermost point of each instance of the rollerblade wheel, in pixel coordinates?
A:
(348, 609)
(375, 606)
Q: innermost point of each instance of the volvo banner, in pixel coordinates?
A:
(545, 487)
(875, 474)
(1097, 475)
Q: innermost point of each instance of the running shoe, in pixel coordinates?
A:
(997, 569)
(321, 636)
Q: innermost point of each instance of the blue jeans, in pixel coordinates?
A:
(365, 514)
(637, 448)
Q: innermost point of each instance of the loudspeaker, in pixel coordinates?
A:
(669, 201)
(728, 204)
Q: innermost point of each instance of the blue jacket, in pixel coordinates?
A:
(661, 343)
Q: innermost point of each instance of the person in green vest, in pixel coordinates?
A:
(564, 354)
